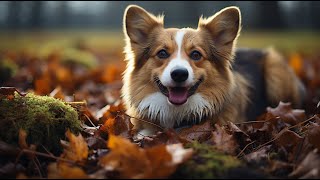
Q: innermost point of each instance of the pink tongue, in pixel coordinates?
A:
(178, 95)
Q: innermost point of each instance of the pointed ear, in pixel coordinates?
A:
(224, 26)
(138, 23)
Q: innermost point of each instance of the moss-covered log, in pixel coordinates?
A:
(45, 119)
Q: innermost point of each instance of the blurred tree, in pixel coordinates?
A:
(36, 14)
(269, 15)
(315, 14)
(63, 15)
(13, 14)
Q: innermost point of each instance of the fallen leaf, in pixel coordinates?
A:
(200, 132)
(313, 134)
(63, 170)
(287, 114)
(290, 141)
(223, 141)
(9, 91)
(126, 158)
(309, 167)
(77, 149)
(130, 161)
(258, 157)
(241, 137)
(119, 125)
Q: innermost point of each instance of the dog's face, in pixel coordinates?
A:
(178, 74)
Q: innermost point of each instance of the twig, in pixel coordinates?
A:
(27, 151)
(37, 164)
(245, 148)
(145, 121)
(90, 121)
(291, 127)
(249, 122)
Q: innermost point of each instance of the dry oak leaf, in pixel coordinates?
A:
(223, 141)
(132, 161)
(200, 132)
(313, 134)
(287, 114)
(77, 149)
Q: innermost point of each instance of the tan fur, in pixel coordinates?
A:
(281, 82)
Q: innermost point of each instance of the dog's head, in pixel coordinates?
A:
(175, 74)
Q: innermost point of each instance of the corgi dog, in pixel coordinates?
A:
(180, 77)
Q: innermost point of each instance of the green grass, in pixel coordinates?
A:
(286, 41)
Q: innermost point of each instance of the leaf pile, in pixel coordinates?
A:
(282, 142)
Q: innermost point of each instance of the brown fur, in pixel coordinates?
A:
(226, 91)
(281, 82)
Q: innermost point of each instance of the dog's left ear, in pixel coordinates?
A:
(224, 26)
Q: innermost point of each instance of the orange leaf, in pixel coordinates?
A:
(65, 171)
(43, 84)
(120, 125)
(77, 150)
(131, 161)
(125, 157)
(22, 139)
(296, 63)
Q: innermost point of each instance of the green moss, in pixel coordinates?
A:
(45, 119)
(206, 163)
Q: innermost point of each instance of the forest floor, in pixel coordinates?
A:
(82, 69)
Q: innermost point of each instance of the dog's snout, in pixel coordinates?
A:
(179, 75)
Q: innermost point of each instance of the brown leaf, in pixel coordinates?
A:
(169, 136)
(287, 114)
(122, 157)
(241, 137)
(290, 141)
(200, 132)
(313, 134)
(119, 125)
(77, 149)
(9, 91)
(110, 111)
(258, 157)
(309, 167)
(223, 141)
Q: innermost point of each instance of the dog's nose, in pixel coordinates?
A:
(179, 75)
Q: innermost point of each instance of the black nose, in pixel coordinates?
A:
(179, 75)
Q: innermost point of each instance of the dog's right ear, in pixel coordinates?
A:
(138, 23)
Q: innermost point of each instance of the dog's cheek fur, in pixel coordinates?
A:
(220, 84)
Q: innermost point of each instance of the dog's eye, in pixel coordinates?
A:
(195, 55)
(163, 54)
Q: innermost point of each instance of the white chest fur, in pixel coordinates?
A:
(156, 107)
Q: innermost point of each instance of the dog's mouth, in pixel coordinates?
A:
(177, 95)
